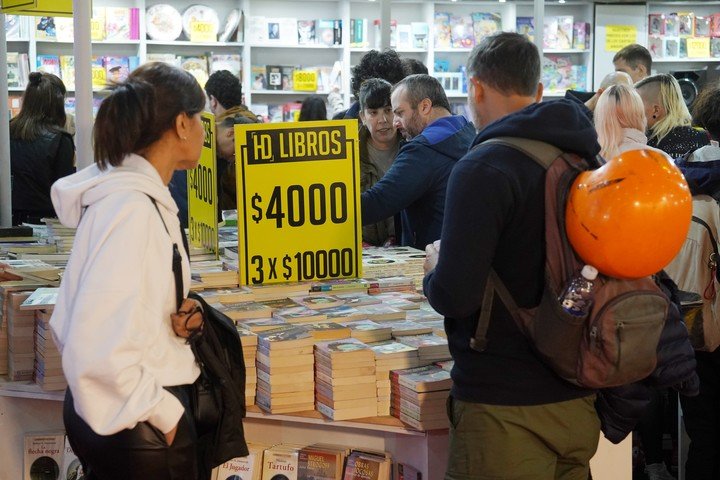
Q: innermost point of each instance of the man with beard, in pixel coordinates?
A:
(415, 183)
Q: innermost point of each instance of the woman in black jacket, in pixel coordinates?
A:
(41, 151)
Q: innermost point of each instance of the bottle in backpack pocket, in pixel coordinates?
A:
(577, 297)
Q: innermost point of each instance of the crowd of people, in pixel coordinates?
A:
(429, 179)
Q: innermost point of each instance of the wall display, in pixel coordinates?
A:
(298, 201)
(163, 22)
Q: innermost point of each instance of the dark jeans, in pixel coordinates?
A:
(701, 415)
(140, 453)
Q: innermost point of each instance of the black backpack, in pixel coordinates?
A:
(218, 395)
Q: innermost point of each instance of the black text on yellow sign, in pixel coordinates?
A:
(202, 193)
(298, 201)
(55, 8)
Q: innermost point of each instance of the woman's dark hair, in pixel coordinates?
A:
(374, 93)
(43, 108)
(141, 109)
(706, 110)
(313, 108)
(386, 65)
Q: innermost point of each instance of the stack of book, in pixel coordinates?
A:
(33, 270)
(228, 295)
(212, 274)
(6, 289)
(21, 328)
(431, 348)
(249, 467)
(394, 261)
(381, 313)
(419, 395)
(285, 370)
(392, 284)
(390, 356)
(363, 464)
(249, 342)
(368, 331)
(279, 290)
(48, 372)
(262, 324)
(345, 383)
(59, 235)
(242, 311)
(408, 327)
(324, 331)
(340, 286)
(299, 314)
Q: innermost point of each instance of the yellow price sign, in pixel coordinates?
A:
(202, 32)
(698, 47)
(97, 29)
(48, 8)
(298, 201)
(305, 80)
(619, 36)
(202, 193)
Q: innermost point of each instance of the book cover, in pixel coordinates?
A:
(197, 67)
(97, 24)
(686, 24)
(285, 337)
(672, 26)
(71, 467)
(655, 47)
(408, 472)
(230, 62)
(443, 34)
(258, 78)
(67, 70)
(117, 68)
(390, 349)
(419, 35)
(337, 32)
(99, 74)
(485, 24)
(581, 36)
(656, 24)
(526, 26)
(318, 463)
(14, 76)
(319, 302)
(45, 29)
(287, 77)
(715, 47)
(117, 23)
(274, 77)
(306, 32)
(299, 314)
(565, 32)
(64, 29)
(366, 466)
(702, 25)
(244, 310)
(348, 347)
(13, 27)
(461, 28)
(715, 25)
(325, 32)
(43, 455)
(241, 468)
(280, 463)
(49, 64)
(429, 379)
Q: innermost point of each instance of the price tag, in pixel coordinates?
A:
(698, 47)
(202, 193)
(619, 36)
(298, 201)
(305, 80)
(202, 32)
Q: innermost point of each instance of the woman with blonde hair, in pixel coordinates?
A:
(620, 121)
(669, 121)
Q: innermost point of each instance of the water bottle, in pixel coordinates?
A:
(577, 297)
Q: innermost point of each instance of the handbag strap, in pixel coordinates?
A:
(176, 261)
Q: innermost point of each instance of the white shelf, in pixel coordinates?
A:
(453, 50)
(284, 92)
(380, 424)
(686, 60)
(565, 50)
(17, 40)
(313, 46)
(16, 89)
(184, 43)
(95, 42)
(28, 389)
(398, 50)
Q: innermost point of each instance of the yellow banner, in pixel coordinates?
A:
(619, 36)
(305, 80)
(44, 8)
(202, 193)
(298, 190)
(698, 47)
(202, 32)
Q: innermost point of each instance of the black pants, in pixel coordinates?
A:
(140, 453)
(701, 415)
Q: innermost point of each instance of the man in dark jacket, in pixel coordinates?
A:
(511, 416)
(415, 184)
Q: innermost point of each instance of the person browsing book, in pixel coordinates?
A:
(414, 186)
(116, 322)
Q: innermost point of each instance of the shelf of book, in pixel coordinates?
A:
(686, 60)
(178, 43)
(312, 46)
(381, 424)
(453, 50)
(565, 50)
(98, 42)
(28, 389)
(284, 92)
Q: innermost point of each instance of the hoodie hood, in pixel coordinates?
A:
(562, 123)
(702, 170)
(449, 136)
(71, 194)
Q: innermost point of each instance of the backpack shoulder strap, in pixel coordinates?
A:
(176, 261)
(541, 152)
(544, 155)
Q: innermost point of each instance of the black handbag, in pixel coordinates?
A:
(217, 397)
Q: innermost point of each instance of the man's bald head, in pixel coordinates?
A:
(616, 78)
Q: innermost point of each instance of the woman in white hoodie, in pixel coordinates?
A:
(116, 322)
(620, 121)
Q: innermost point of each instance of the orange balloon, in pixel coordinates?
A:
(629, 217)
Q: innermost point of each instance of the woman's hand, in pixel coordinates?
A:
(188, 319)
